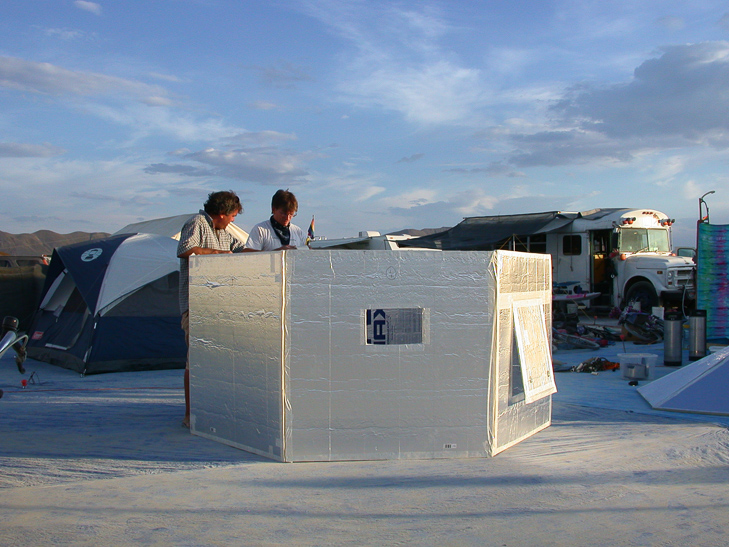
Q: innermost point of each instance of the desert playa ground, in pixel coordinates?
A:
(102, 460)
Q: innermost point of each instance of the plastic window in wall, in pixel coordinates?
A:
(534, 350)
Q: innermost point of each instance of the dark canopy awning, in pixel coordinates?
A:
(476, 233)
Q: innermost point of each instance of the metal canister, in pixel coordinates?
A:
(672, 338)
(697, 335)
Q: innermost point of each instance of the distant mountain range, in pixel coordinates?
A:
(42, 242)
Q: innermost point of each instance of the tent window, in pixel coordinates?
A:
(59, 293)
(572, 245)
(535, 356)
(66, 332)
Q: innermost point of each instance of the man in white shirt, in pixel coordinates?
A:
(277, 233)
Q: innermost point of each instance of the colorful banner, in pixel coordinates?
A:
(712, 287)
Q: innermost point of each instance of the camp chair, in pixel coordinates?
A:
(11, 338)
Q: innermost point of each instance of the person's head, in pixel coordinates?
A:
(284, 207)
(223, 207)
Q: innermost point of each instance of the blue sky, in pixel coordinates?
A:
(378, 115)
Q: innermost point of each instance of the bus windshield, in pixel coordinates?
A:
(633, 240)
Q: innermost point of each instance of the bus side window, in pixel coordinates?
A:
(571, 245)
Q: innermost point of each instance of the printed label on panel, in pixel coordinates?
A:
(394, 326)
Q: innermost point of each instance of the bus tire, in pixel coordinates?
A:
(644, 293)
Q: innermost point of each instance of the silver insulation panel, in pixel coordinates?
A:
(362, 355)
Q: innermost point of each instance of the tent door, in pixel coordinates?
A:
(70, 323)
(59, 293)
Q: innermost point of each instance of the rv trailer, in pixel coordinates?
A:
(623, 254)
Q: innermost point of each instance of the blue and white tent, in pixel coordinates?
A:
(111, 305)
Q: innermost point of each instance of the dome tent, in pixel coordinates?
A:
(171, 226)
(111, 305)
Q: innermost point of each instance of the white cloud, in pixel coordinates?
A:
(46, 78)
(25, 150)
(284, 75)
(399, 63)
(434, 93)
(411, 159)
(145, 122)
(158, 101)
(561, 147)
(672, 22)
(91, 7)
(261, 137)
(675, 100)
(165, 77)
(348, 184)
(510, 60)
(682, 93)
(691, 190)
(263, 165)
(474, 203)
(368, 192)
(264, 105)
(426, 208)
(246, 156)
(413, 198)
(670, 167)
(67, 34)
(494, 169)
(177, 169)
(724, 21)
(110, 193)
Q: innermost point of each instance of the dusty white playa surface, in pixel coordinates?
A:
(102, 460)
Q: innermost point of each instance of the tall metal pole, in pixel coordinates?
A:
(701, 200)
(701, 220)
(698, 223)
